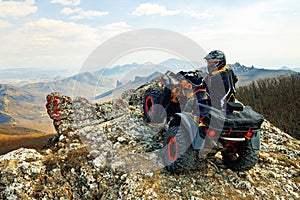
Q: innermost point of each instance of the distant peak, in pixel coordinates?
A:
(148, 63)
(237, 64)
(285, 68)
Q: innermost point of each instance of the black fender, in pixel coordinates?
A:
(193, 130)
(255, 141)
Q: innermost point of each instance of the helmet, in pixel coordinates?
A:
(215, 60)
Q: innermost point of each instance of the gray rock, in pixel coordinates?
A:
(100, 162)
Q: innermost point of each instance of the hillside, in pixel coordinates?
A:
(23, 109)
(82, 84)
(277, 99)
(108, 151)
(23, 138)
(13, 99)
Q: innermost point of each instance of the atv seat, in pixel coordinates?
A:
(234, 106)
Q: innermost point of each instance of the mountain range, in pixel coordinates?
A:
(249, 74)
(23, 105)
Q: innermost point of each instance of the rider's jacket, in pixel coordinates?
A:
(220, 86)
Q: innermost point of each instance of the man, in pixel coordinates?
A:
(219, 86)
(220, 81)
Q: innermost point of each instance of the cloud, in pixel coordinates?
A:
(67, 2)
(48, 43)
(30, 2)
(153, 9)
(113, 29)
(116, 26)
(201, 15)
(82, 14)
(296, 13)
(252, 38)
(57, 29)
(17, 9)
(5, 24)
(156, 9)
(69, 11)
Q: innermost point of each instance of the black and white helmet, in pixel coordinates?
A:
(215, 60)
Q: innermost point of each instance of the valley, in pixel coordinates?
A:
(12, 138)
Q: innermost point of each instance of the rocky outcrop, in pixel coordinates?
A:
(108, 151)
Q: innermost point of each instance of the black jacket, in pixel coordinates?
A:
(220, 85)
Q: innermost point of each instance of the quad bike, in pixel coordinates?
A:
(236, 133)
(169, 95)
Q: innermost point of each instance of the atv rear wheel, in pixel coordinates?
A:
(152, 106)
(244, 159)
(179, 154)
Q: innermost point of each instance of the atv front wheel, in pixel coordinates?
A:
(244, 159)
(152, 106)
(179, 154)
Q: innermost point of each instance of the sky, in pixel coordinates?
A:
(55, 34)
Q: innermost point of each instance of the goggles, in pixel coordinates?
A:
(212, 62)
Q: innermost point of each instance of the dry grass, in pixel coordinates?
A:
(73, 159)
(12, 138)
(43, 124)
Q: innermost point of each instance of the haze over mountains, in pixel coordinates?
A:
(296, 69)
(23, 76)
(23, 104)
